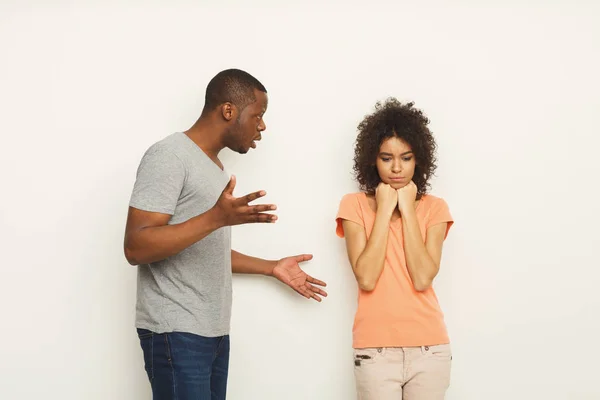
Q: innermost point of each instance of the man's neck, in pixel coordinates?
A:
(208, 137)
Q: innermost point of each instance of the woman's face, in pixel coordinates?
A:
(395, 162)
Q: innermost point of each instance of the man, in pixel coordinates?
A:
(179, 234)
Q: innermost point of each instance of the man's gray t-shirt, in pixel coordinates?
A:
(190, 291)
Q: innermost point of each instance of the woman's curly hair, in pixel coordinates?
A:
(393, 118)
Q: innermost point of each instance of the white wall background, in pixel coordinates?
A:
(513, 95)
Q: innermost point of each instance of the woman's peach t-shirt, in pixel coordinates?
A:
(394, 314)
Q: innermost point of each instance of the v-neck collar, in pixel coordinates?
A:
(202, 153)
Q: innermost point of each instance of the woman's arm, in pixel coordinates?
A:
(422, 259)
(367, 256)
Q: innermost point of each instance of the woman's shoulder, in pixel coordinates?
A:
(355, 194)
(353, 201)
(431, 201)
(353, 197)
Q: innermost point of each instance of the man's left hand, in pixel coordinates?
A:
(288, 271)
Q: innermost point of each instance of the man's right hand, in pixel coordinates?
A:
(232, 210)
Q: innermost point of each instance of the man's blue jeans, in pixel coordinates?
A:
(184, 366)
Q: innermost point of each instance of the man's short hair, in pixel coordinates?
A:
(234, 86)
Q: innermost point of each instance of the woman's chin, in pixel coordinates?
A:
(397, 185)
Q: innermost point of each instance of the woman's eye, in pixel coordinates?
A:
(407, 159)
(386, 159)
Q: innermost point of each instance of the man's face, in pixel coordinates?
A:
(249, 125)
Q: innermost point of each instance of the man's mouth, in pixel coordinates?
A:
(256, 139)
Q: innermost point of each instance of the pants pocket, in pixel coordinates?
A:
(443, 351)
(147, 344)
(366, 356)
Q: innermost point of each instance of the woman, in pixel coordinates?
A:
(394, 234)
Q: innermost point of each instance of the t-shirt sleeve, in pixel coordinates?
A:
(440, 213)
(159, 181)
(350, 210)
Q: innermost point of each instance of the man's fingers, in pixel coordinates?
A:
(311, 293)
(302, 291)
(317, 290)
(315, 281)
(317, 298)
(258, 213)
(261, 208)
(252, 196)
(303, 257)
(261, 217)
(230, 185)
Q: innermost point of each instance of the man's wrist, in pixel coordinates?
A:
(215, 218)
(270, 266)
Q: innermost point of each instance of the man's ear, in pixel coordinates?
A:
(228, 111)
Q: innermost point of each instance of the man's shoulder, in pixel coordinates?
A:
(169, 149)
(167, 144)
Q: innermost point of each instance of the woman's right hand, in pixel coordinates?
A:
(386, 197)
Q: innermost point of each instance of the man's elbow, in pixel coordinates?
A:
(131, 255)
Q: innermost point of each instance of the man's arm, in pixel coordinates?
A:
(149, 238)
(243, 264)
(287, 270)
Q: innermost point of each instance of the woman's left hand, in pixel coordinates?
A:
(407, 196)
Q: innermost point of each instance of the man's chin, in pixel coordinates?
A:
(240, 150)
